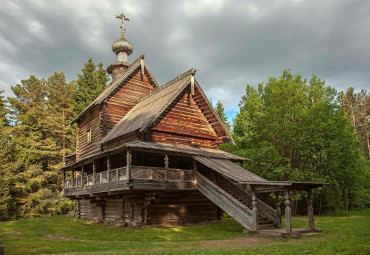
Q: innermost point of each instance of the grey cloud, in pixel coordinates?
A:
(230, 43)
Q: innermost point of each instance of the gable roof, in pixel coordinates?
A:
(152, 106)
(113, 86)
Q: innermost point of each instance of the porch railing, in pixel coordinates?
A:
(137, 173)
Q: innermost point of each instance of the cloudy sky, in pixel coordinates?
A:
(230, 43)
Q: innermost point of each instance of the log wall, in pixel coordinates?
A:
(89, 121)
(125, 98)
(184, 123)
(102, 118)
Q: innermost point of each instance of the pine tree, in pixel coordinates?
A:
(34, 150)
(90, 84)
(60, 114)
(220, 110)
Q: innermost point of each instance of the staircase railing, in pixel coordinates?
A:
(229, 204)
(262, 207)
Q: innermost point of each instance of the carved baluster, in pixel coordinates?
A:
(311, 223)
(288, 211)
(255, 209)
(278, 210)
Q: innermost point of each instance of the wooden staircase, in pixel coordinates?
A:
(236, 202)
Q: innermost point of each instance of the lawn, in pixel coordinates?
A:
(344, 233)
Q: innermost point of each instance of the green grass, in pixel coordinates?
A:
(344, 233)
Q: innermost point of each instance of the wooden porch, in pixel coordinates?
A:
(140, 178)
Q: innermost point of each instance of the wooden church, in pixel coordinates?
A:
(148, 155)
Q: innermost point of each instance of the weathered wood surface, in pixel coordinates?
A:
(125, 98)
(239, 211)
(310, 213)
(90, 121)
(159, 208)
(247, 198)
(288, 212)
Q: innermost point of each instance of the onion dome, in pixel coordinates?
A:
(122, 45)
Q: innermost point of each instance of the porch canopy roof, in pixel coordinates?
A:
(251, 180)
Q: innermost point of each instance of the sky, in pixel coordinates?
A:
(229, 43)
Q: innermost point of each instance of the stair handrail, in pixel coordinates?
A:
(247, 216)
(262, 207)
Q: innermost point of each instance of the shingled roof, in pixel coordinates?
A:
(152, 106)
(113, 86)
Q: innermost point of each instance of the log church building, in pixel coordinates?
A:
(147, 155)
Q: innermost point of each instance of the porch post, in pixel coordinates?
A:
(73, 177)
(82, 173)
(255, 209)
(94, 172)
(278, 210)
(64, 179)
(108, 167)
(166, 165)
(129, 160)
(288, 211)
(311, 224)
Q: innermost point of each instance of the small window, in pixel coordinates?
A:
(88, 134)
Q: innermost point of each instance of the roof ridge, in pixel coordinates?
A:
(104, 94)
(179, 77)
(165, 85)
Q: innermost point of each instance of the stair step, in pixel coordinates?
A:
(265, 222)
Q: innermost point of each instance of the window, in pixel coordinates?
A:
(88, 135)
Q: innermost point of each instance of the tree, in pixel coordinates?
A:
(292, 129)
(90, 84)
(60, 110)
(33, 150)
(221, 113)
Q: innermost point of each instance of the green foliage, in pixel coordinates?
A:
(346, 233)
(35, 136)
(220, 110)
(90, 84)
(292, 129)
(357, 108)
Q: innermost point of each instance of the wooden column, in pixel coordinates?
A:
(288, 211)
(128, 160)
(64, 179)
(311, 224)
(166, 166)
(255, 209)
(82, 174)
(94, 172)
(108, 167)
(278, 210)
(73, 177)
